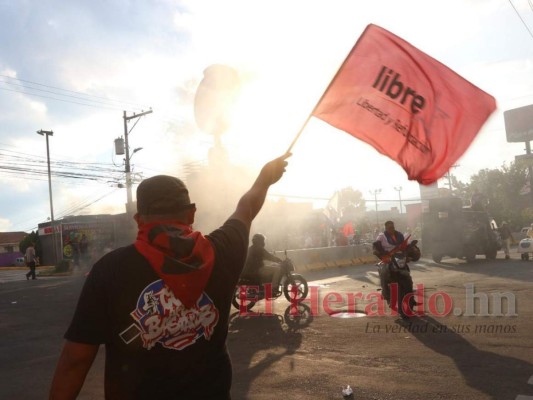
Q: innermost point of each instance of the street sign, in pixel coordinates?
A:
(524, 160)
(519, 124)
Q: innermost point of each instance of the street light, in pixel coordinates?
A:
(129, 206)
(399, 190)
(375, 193)
(46, 134)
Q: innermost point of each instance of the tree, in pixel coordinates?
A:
(33, 237)
(500, 189)
(351, 204)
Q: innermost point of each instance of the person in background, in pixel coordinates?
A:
(507, 238)
(255, 267)
(161, 305)
(308, 243)
(31, 261)
(84, 249)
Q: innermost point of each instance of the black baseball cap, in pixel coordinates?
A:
(162, 195)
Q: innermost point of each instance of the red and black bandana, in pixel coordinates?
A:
(182, 258)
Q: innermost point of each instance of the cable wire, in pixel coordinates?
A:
(63, 100)
(521, 19)
(72, 91)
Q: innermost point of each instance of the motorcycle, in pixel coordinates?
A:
(250, 290)
(395, 274)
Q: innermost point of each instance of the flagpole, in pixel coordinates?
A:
(323, 94)
(302, 129)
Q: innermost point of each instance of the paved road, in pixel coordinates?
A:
(277, 356)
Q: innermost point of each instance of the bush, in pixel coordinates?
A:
(62, 266)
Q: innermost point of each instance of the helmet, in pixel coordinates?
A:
(259, 239)
(413, 251)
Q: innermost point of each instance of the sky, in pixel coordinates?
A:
(74, 68)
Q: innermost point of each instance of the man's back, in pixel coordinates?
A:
(154, 344)
(30, 254)
(163, 340)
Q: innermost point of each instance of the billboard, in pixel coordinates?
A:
(519, 124)
(84, 239)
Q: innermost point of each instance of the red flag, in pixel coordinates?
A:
(406, 104)
(347, 229)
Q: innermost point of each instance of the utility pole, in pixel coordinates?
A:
(375, 193)
(129, 208)
(399, 190)
(529, 170)
(46, 134)
(448, 175)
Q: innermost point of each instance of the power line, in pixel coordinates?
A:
(68, 211)
(30, 156)
(63, 100)
(75, 92)
(521, 19)
(56, 93)
(84, 204)
(28, 167)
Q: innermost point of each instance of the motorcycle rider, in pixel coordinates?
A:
(255, 267)
(390, 237)
(385, 242)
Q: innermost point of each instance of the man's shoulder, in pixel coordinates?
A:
(232, 224)
(125, 254)
(233, 229)
(230, 243)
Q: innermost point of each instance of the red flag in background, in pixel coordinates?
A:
(407, 105)
(347, 229)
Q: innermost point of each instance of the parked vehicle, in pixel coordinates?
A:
(525, 246)
(20, 262)
(455, 231)
(522, 234)
(249, 291)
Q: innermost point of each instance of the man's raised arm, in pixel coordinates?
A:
(252, 201)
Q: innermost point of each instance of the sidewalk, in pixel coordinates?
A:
(23, 268)
(41, 270)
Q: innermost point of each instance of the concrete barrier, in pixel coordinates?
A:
(330, 257)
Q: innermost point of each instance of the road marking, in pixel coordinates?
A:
(329, 280)
(12, 276)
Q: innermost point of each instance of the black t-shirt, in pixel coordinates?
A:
(155, 347)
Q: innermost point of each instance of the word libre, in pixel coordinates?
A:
(396, 90)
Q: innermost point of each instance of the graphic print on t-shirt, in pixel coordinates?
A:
(162, 318)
